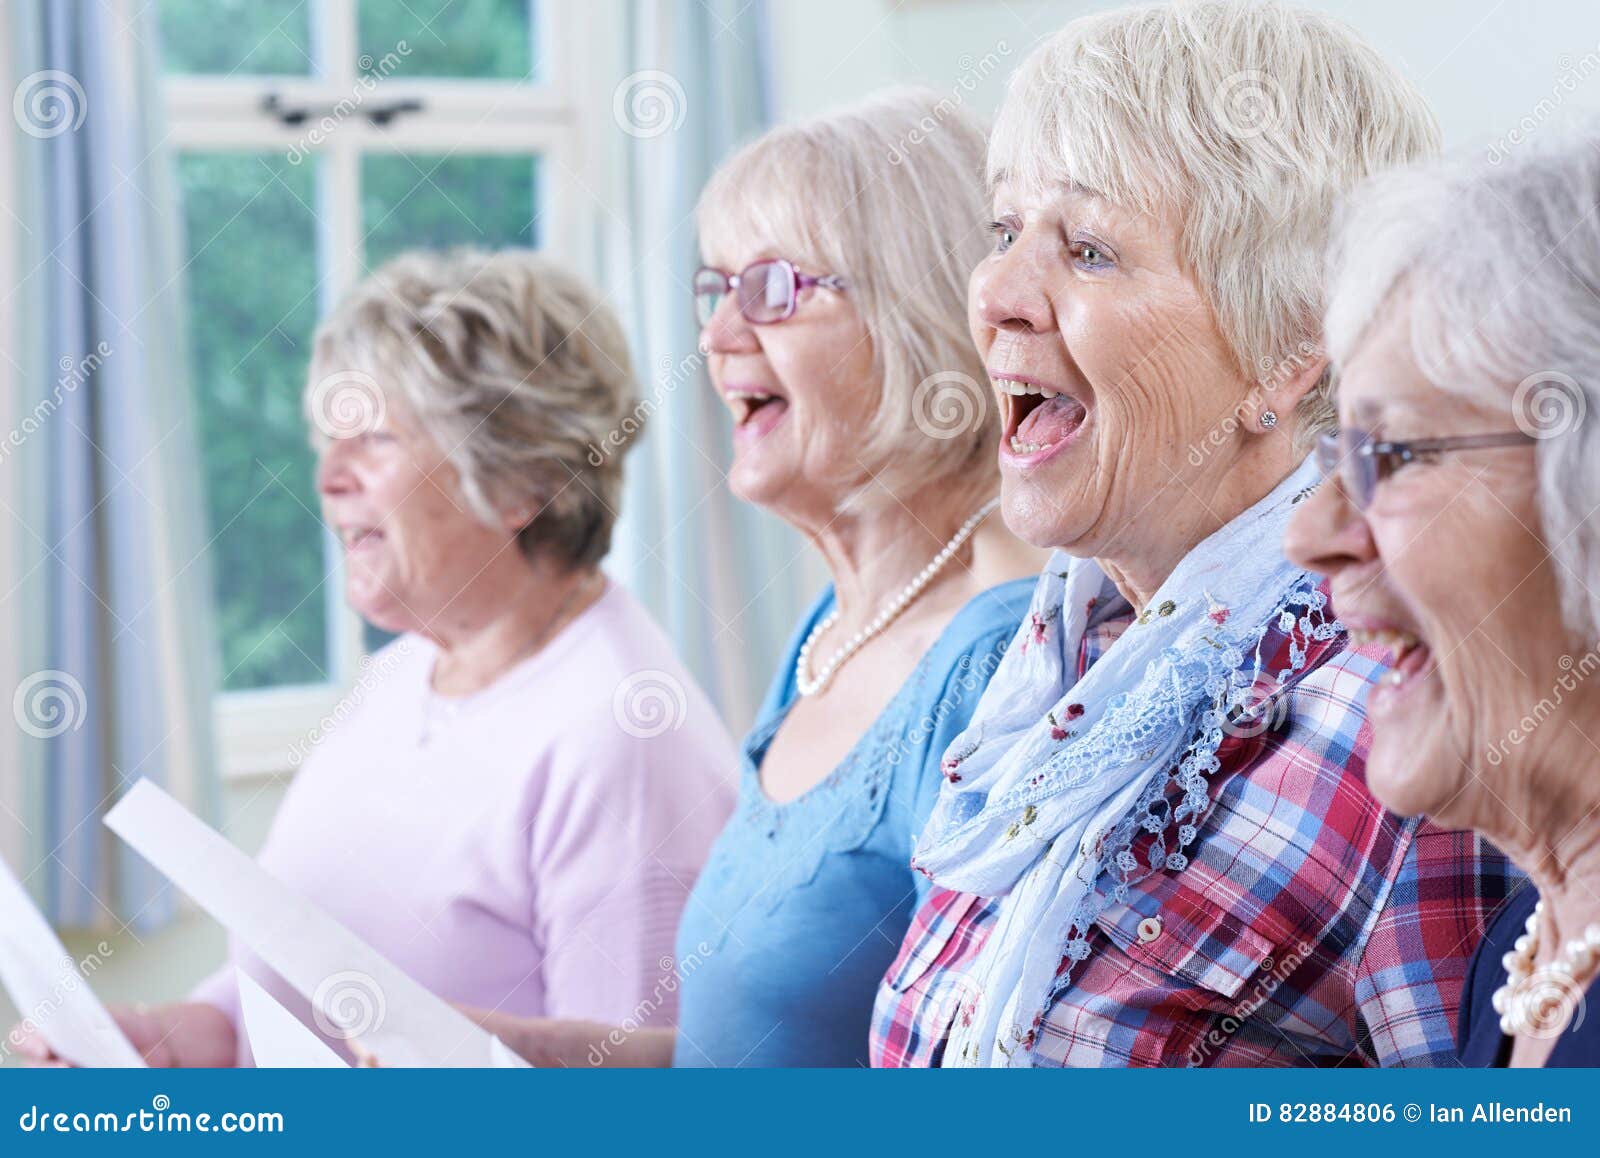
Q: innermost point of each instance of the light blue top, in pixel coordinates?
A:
(802, 905)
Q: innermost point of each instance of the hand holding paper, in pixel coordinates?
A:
(396, 1019)
(48, 990)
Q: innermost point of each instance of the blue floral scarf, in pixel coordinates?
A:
(1055, 777)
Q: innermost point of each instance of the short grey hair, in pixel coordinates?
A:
(888, 194)
(516, 368)
(1498, 265)
(1248, 120)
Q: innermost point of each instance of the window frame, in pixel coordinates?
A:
(257, 730)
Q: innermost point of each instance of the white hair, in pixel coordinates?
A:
(1245, 119)
(1499, 266)
(516, 368)
(888, 194)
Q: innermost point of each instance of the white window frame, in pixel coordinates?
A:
(258, 730)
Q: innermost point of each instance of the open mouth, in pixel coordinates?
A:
(755, 411)
(358, 538)
(1410, 660)
(1039, 419)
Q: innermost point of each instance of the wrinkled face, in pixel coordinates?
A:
(411, 545)
(1446, 569)
(1107, 363)
(801, 391)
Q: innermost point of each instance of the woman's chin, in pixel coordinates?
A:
(374, 603)
(1412, 772)
(1036, 516)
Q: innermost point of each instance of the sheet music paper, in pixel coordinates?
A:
(398, 1021)
(48, 990)
(278, 1040)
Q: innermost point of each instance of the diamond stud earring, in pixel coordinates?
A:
(1269, 419)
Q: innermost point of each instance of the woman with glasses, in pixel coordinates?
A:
(1460, 533)
(1154, 846)
(831, 305)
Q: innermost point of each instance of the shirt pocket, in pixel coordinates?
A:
(925, 945)
(1191, 963)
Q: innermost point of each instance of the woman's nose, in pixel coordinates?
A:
(333, 467)
(1327, 533)
(1013, 290)
(727, 331)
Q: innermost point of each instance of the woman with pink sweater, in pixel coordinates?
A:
(516, 798)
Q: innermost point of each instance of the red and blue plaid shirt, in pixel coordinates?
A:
(1311, 926)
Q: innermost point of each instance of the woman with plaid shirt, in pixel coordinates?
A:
(1154, 845)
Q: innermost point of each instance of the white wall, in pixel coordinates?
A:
(1483, 64)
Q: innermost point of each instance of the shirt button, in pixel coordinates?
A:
(1149, 929)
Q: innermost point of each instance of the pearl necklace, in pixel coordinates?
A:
(808, 686)
(1540, 1002)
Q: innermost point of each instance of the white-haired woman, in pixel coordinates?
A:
(836, 255)
(1459, 530)
(494, 815)
(1156, 848)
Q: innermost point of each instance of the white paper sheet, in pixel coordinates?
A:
(356, 989)
(48, 990)
(278, 1040)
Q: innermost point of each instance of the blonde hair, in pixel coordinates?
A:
(1246, 119)
(887, 194)
(515, 367)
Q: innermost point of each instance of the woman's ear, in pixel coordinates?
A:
(1295, 379)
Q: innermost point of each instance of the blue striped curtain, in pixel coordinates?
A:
(727, 581)
(117, 664)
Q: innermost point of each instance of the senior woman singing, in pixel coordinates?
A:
(486, 813)
(1460, 533)
(832, 299)
(1153, 846)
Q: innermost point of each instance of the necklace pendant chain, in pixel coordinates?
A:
(809, 685)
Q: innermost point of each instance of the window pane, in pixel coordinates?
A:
(422, 200)
(252, 37)
(251, 245)
(481, 39)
